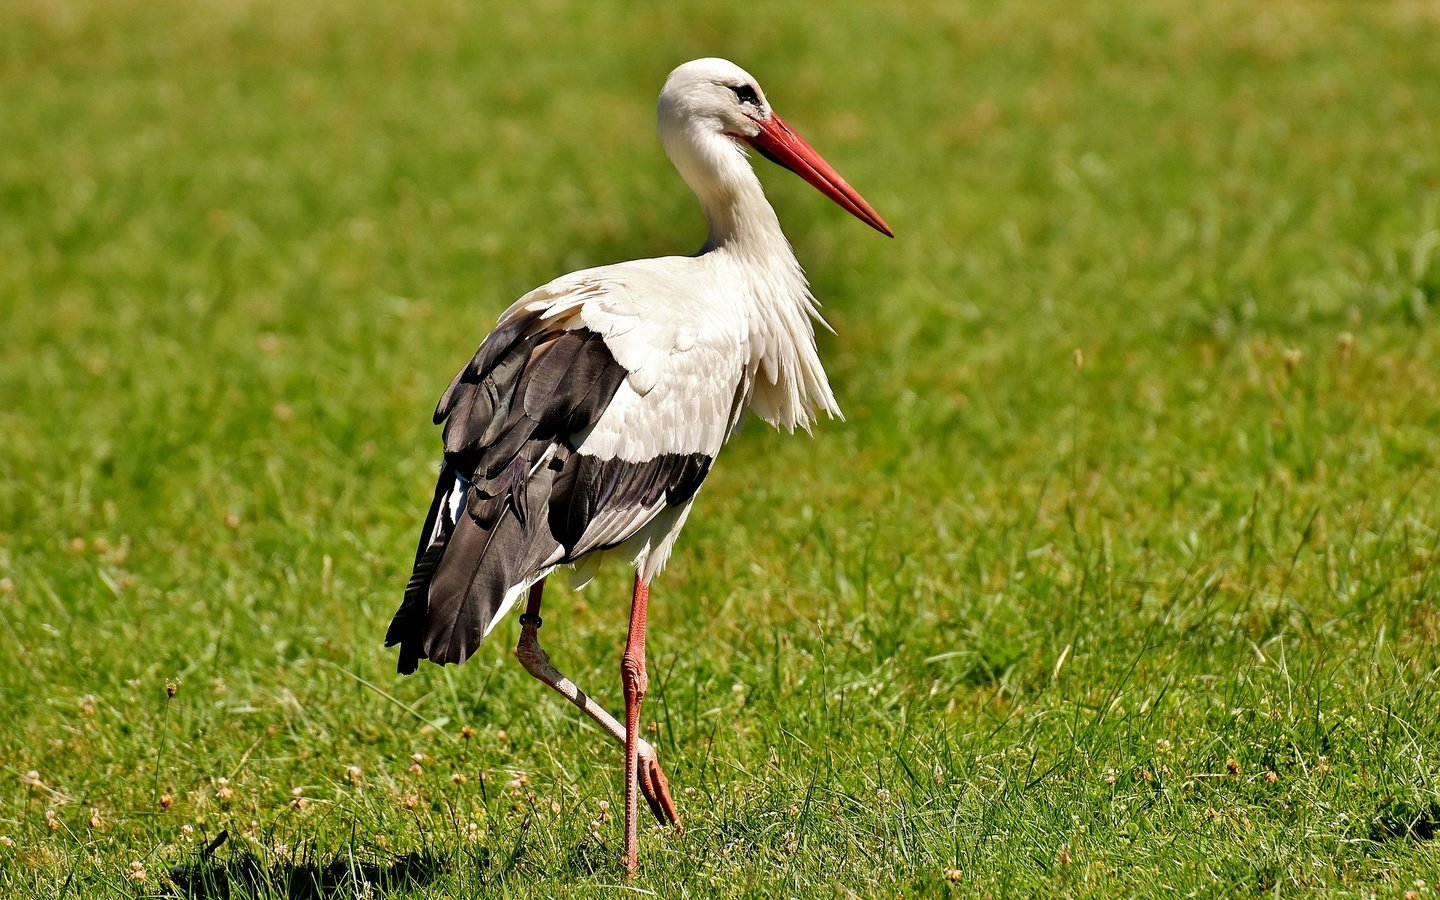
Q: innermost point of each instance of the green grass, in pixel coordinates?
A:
(1015, 618)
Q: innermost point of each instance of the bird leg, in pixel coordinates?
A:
(635, 682)
(653, 783)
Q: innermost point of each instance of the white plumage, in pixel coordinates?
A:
(588, 419)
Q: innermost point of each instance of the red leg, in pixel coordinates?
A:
(533, 598)
(635, 682)
(653, 784)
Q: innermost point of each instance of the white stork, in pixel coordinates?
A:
(589, 417)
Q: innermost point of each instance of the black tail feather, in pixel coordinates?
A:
(462, 575)
(491, 549)
(408, 627)
(509, 417)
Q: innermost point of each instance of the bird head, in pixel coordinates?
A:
(709, 97)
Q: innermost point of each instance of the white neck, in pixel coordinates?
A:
(716, 169)
(745, 240)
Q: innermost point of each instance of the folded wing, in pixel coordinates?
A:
(531, 479)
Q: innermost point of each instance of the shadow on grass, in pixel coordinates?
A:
(1399, 819)
(243, 874)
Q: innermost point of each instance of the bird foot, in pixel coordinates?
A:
(656, 787)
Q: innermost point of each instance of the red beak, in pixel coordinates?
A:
(779, 144)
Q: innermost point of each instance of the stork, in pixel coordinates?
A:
(588, 419)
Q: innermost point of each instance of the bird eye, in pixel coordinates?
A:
(745, 93)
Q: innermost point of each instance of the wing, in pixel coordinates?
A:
(532, 477)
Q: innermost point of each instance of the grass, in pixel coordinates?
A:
(1119, 579)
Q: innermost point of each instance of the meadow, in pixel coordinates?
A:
(1118, 579)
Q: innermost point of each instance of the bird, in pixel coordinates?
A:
(587, 420)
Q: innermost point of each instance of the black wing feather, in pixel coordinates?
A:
(500, 343)
(519, 402)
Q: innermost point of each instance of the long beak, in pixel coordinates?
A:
(779, 144)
